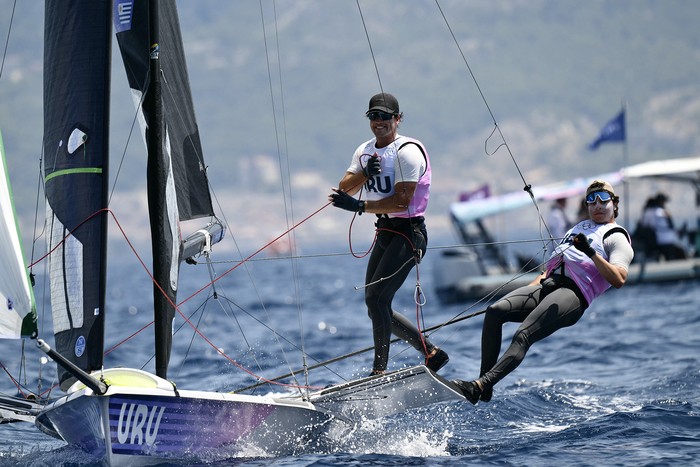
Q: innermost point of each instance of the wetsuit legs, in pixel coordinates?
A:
(540, 317)
(389, 265)
(402, 327)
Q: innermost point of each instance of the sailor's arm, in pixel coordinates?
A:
(620, 254)
(352, 182)
(615, 275)
(398, 202)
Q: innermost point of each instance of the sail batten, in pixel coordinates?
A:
(77, 170)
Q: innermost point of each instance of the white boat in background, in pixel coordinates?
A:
(126, 416)
(481, 269)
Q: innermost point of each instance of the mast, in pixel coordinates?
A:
(161, 90)
(164, 292)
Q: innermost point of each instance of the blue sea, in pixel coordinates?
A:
(621, 387)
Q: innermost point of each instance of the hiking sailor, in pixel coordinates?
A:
(574, 277)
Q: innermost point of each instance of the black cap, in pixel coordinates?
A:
(384, 102)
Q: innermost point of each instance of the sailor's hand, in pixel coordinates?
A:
(373, 167)
(342, 200)
(581, 244)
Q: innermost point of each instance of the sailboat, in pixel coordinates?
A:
(128, 416)
(481, 268)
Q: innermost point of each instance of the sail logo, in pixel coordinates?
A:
(123, 11)
(80, 346)
(139, 424)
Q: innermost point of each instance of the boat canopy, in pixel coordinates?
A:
(468, 211)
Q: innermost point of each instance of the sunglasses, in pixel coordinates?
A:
(378, 115)
(603, 196)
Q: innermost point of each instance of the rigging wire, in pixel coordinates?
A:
(233, 237)
(284, 154)
(210, 263)
(346, 253)
(496, 129)
(134, 120)
(177, 307)
(7, 41)
(369, 44)
(179, 114)
(394, 340)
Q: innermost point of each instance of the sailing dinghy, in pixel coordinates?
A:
(126, 416)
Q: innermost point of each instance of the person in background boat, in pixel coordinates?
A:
(644, 236)
(594, 255)
(657, 218)
(394, 172)
(557, 222)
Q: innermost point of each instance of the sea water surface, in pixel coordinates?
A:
(621, 387)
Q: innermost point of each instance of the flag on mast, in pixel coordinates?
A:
(613, 131)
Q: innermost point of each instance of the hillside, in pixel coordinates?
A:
(550, 72)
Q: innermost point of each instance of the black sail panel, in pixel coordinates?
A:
(77, 54)
(149, 38)
(182, 142)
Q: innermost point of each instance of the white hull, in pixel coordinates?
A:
(136, 425)
(386, 395)
(144, 420)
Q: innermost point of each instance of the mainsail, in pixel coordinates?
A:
(157, 73)
(77, 69)
(17, 307)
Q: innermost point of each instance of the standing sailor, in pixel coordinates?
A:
(395, 172)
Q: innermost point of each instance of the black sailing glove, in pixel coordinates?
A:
(373, 167)
(581, 244)
(342, 200)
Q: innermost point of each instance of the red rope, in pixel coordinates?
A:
(176, 307)
(14, 381)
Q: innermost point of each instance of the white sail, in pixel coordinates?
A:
(17, 305)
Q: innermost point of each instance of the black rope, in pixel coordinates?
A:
(358, 352)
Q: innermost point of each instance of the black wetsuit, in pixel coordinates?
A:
(542, 310)
(397, 240)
